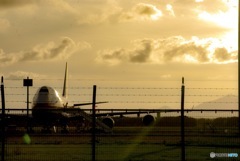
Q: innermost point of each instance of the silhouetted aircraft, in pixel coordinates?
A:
(50, 109)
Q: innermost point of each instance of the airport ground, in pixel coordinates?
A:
(136, 143)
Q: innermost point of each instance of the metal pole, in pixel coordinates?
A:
(182, 121)
(93, 123)
(27, 100)
(27, 107)
(238, 68)
(3, 119)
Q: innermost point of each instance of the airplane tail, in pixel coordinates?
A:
(64, 94)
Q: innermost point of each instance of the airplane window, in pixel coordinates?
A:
(44, 90)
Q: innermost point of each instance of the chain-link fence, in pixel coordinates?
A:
(210, 126)
(129, 140)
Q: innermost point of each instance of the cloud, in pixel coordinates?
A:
(182, 51)
(169, 50)
(140, 54)
(115, 14)
(212, 6)
(59, 6)
(23, 75)
(101, 12)
(142, 11)
(49, 51)
(221, 54)
(142, 51)
(170, 10)
(108, 15)
(14, 3)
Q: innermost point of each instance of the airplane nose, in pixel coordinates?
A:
(42, 97)
(44, 90)
(47, 96)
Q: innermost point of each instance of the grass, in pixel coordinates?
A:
(111, 152)
(125, 144)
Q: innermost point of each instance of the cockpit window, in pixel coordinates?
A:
(43, 89)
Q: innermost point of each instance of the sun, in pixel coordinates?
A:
(225, 19)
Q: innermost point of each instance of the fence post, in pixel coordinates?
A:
(182, 121)
(94, 123)
(3, 120)
(238, 69)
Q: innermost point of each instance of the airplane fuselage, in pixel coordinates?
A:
(46, 103)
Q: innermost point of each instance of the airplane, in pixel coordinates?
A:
(50, 109)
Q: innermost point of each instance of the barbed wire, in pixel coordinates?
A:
(129, 88)
(143, 102)
(153, 102)
(113, 80)
(141, 92)
(154, 95)
(134, 95)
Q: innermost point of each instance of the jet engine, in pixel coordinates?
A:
(108, 121)
(148, 120)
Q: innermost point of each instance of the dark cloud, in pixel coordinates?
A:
(221, 54)
(198, 52)
(50, 51)
(142, 53)
(118, 53)
(145, 9)
(173, 49)
(15, 3)
(141, 11)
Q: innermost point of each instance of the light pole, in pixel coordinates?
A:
(27, 83)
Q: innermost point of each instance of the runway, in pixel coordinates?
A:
(125, 143)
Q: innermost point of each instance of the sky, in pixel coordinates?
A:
(112, 43)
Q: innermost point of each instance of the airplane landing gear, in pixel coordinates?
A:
(46, 130)
(65, 130)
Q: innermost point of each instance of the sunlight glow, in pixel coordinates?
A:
(190, 59)
(230, 40)
(169, 8)
(226, 19)
(157, 15)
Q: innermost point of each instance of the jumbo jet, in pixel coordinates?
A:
(49, 109)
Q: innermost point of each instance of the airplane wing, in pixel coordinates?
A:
(72, 113)
(111, 112)
(84, 104)
(116, 112)
(122, 112)
(76, 112)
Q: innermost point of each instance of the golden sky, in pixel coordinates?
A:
(119, 39)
